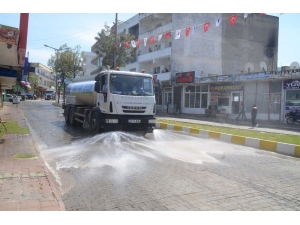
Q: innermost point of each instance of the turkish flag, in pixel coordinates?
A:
(168, 34)
(232, 20)
(138, 42)
(126, 44)
(262, 14)
(187, 31)
(151, 39)
(206, 26)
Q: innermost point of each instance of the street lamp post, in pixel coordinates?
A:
(63, 78)
(116, 26)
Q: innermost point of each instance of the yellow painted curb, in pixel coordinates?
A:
(214, 134)
(178, 128)
(163, 126)
(194, 131)
(297, 151)
(268, 145)
(238, 139)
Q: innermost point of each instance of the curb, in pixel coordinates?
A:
(278, 147)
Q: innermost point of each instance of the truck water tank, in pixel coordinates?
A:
(81, 93)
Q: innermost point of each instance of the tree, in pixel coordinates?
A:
(106, 47)
(66, 61)
(33, 80)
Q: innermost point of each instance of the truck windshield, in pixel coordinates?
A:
(131, 85)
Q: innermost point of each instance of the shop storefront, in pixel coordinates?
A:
(226, 98)
(194, 97)
(291, 90)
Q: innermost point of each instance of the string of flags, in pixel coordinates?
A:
(177, 33)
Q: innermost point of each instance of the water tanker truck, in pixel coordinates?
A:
(113, 100)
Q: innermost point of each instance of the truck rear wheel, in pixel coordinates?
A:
(67, 114)
(72, 110)
(95, 122)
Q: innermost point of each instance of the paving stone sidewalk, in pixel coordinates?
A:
(25, 184)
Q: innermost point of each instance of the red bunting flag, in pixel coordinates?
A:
(232, 20)
(168, 34)
(187, 31)
(262, 14)
(138, 42)
(151, 39)
(206, 26)
(126, 44)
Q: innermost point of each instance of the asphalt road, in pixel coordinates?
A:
(166, 170)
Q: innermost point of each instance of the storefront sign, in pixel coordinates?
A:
(291, 84)
(292, 108)
(185, 77)
(226, 88)
(9, 35)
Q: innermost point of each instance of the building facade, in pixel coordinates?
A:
(213, 62)
(45, 78)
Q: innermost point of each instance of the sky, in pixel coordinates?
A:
(53, 25)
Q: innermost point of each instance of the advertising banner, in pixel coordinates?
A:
(9, 35)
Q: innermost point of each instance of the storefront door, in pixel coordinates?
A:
(235, 104)
(167, 99)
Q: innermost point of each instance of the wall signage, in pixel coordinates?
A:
(291, 84)
(185, 77)
(226, 87)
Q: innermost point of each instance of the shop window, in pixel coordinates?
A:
(223, 101)
(204, 88)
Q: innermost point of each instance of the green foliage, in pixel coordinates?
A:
(12, 128)
(106, 47)
(33, 80)
(66, 61)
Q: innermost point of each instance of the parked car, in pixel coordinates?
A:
(9, 97)
(31, 96)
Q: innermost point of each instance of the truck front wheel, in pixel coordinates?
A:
(95, 122)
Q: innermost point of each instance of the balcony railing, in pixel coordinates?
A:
(158, 30)
(166, 52)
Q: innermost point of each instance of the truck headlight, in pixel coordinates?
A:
(151, 121)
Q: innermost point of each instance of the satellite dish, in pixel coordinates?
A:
(249, 67)
(295, 65)
(263, 66)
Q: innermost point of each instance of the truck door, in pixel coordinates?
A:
(102, 100)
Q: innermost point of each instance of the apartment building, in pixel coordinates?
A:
(212, 62)
(46, 79)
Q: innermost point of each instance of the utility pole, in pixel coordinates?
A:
(116, 30)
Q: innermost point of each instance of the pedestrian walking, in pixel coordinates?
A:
(242, 112)
(253, 116)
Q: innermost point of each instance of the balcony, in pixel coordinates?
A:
(163, 76)
(159, 30)
(163, 53)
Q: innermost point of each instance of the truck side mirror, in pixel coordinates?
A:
(97, 86)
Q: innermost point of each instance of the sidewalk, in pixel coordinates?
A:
(25, 184)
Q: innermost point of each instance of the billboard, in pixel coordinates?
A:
(9, 35)
(185, 77)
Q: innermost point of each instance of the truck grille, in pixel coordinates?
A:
(134, 109)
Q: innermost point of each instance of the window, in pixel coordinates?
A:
(223, 101)
(156, 69)
(195, 98)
